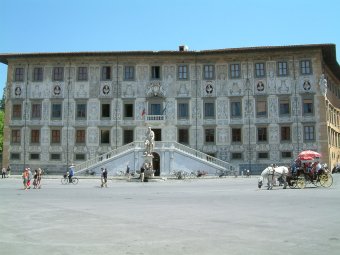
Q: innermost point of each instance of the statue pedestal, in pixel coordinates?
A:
(149, 172)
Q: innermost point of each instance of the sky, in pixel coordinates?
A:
(129, 25)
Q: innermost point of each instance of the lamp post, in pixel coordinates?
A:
(248, 113)
(25, 114)
(68, 116)
(296, 109)
(116, 106)
(196, 104)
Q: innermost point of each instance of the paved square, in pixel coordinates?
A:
(200, 216)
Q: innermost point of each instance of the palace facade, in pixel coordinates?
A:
(247, 106)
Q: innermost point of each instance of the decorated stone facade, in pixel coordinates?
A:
(251, 107)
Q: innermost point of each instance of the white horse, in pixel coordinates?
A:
(272, 174)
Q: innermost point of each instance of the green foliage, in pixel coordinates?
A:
(2, 101)
(2, 119)
(2, 115)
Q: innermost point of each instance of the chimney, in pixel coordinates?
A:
(183, 48)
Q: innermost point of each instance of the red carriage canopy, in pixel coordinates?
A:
(309, 155)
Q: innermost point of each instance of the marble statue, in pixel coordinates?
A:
(323, 85)
(149, 146)
(149, 141)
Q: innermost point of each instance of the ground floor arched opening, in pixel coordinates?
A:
(156, 163)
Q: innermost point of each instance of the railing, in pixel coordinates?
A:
(158, 145)
(91, 162)
(202, 155)
(155, 117)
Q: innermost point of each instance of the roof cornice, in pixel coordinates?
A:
(328, 53)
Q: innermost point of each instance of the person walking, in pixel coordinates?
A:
(39, 178)
(104, 177)
(3, 173)
(29, 178)
(25, 178)
(127, 173)
(8, 171)
(142, 170)
(35, 179)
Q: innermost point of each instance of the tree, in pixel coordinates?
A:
(3, 100)
(2, 115)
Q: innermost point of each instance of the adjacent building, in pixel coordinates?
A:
(247, 106)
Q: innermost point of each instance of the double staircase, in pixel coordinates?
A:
(171, 151)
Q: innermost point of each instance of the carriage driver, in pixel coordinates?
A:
(296, 164)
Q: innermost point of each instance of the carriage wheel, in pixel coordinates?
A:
(326, 180)
(317, 182)
(291, 182)
(301, 182)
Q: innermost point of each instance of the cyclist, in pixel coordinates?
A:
(71, 173)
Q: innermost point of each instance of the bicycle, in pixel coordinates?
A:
(178, 174)
(201, 173)
(90, 172)
(65, 180)
(192, 175)
(121, 173)
(220, 173)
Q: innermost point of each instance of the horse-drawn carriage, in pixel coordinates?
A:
(304, 175)
(308, 170)
(305, 170)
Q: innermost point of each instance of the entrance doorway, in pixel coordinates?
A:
(156, 164)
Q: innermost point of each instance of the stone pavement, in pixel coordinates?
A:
(199, 216)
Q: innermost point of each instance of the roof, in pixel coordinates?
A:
(328, 53)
